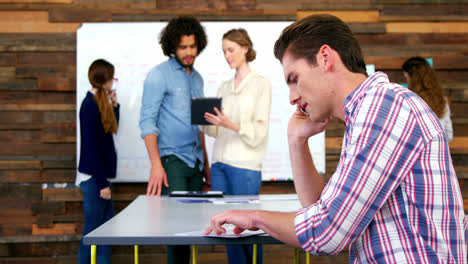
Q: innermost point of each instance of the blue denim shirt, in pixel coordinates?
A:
(165, 111)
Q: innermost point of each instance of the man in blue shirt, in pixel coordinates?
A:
(175, 147)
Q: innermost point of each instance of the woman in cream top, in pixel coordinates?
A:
(240, 129)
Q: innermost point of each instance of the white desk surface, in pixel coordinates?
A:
(157, 221)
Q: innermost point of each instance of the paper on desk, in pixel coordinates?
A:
(229, 233)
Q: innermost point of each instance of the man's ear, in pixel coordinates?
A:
(326, 57)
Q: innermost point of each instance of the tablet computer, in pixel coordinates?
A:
(201, 105)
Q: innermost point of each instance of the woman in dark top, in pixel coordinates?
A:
(99, 114)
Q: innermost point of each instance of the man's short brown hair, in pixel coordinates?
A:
(304, 38)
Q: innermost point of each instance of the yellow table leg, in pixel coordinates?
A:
(136, 254)
(307, 257)
(194, 254)
(254, 254)
(296, 256)
(93, 254)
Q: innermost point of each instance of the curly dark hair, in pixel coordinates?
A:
(177, 27)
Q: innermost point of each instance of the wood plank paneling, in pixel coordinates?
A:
(459, 145)
(426, 27)
(58, 175)
(26, 97)
(16, 229)
(117, 4)
(7, 73)
(58, 133)
(60, 163)
(22, 175)
(65, 194)
(315, 5)
(368, 28)
(37, 107)
(20, 120)
(426, 51)
(23, 136)
(426, 12)
(46, 58)
(18, 149)
(362, 16)
(15, 193)
(447, 62)
(36, 42)
(19, 84)
(57, 84)
(19, 176)
(59, 117)
(409, 2)
(38, 1)
(278, 4)
(74, 14)
(46, 249)
(15, 207)
(452, 76)
(206, 4)
(20, 164)
(7, 59)
(32, 22)
(209, 15)
(45, 71)
(42, 207)
(56, 229)
(406, 39)
(338, 5)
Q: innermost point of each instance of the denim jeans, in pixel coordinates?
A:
(96, 212)
(180, 177)
(237, 181)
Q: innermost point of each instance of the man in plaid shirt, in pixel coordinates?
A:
(394, 197)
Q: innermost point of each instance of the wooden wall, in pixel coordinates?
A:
(41, 222)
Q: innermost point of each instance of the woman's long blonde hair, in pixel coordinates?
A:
(100, 72)
(425, 83)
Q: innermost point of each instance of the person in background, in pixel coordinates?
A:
(241, 129)
(99, 116)
(395, 196)
(175, 147)
(422, 79)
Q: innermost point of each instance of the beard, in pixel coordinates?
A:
(181, 62)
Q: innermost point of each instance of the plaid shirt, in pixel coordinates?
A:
(394, 197)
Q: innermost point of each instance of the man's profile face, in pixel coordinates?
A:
(307, 87)
(186, 51)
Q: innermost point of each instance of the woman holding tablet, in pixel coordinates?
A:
(240, 129)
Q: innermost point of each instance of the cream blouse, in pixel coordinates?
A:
(248, 105)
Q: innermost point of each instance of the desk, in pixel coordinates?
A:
(158, 220)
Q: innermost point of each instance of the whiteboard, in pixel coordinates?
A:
(134, 49)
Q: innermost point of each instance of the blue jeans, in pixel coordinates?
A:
(237, 181)
(180, 177)
(96, 212)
